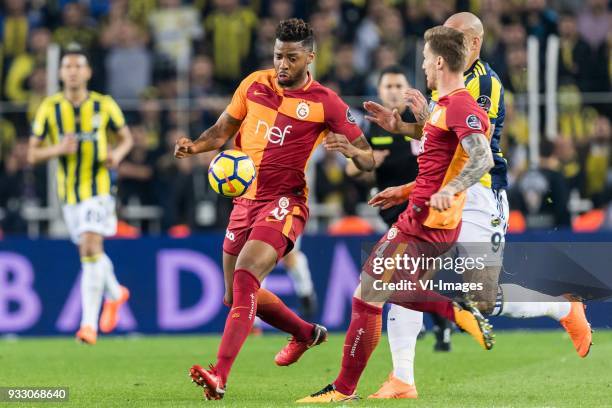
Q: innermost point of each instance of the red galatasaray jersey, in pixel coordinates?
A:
(441, 156)
(281, 128)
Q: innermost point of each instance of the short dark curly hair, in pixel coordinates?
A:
(295, 30)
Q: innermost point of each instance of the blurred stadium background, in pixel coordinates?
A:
(172, 66)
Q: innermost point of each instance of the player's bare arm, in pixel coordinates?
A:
(116, 155)
(480, 161)
(360, 151)
(392, 196)
(379, 158)
(211, 139)
(389, 119)
(417, 103)
(38, 153)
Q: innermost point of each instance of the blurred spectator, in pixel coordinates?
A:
(8, 135)
(392, 33)
(150, 120)
(575, 120)
(579, 63)
(75, 27)
(542, 195)
(329, 178)
(564, 151)
(263, 51)
(13, 188)
(367, 36)
(515, 76)
(208, 96)
(516, 137)
(492, 44)
(136, 172)
(176, 190)
(37, 85)
(174, 27)
(325, 44)
(594, 22)
(229, 38)
(351, 83)
(23, 66)
(280, 10)
(597, 160)
(540, 21)
(128, 63)
(574, 52)
(384, 57)
(14, 28)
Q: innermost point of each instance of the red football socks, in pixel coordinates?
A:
(239, 320)
(430, 302)
(273, 311)
(361, 339)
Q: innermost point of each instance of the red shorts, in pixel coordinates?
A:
(408, 236)
(278, 222)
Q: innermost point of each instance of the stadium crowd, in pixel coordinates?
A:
(172, 66)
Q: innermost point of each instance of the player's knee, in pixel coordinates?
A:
(257, 259)
(90, 245)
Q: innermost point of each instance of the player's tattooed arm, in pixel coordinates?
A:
(480, 161)
(360, 151)
(211, 139)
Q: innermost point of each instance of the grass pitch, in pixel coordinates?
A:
(525, 369)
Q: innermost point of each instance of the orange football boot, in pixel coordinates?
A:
(394, 388)
(110, 312)
(578, 327)
(87, 335)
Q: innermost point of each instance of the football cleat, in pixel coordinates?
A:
(394, 388)
(110, 312)
(578, 327)
(327, 395)
(214, 389)
(470, 320)
(294, 349)
(87, 335)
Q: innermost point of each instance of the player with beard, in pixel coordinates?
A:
(279, 116)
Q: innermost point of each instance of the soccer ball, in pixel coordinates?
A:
(231, 173)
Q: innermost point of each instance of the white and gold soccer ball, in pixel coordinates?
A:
(231, 173)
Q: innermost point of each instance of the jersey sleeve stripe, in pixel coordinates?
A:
(94, 165)
(496, 90)
(62, 159)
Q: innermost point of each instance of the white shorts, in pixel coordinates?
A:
(96, 214)
(484, 223)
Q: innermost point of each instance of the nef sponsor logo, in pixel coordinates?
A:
(281, 211)
(273, 134)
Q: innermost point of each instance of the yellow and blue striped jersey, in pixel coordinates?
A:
(80, 175)
(486, 88)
